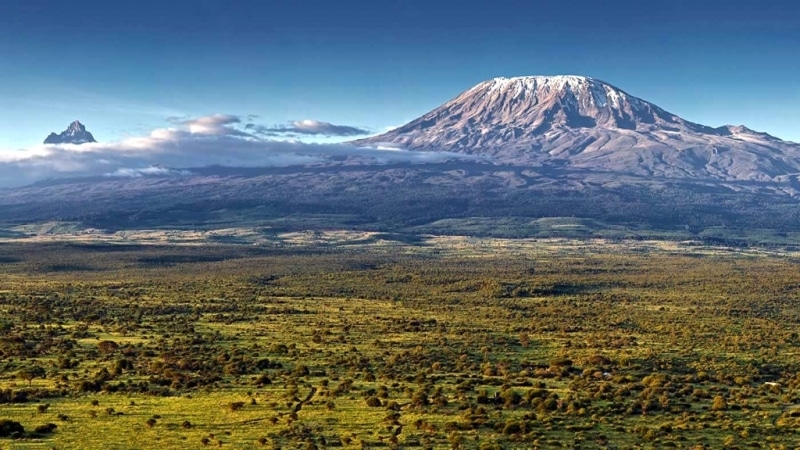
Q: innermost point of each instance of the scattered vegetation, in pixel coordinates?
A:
(409, 346)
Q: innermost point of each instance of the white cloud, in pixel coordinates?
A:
(147, 171)
(216, 140)
(218, 124)
(309, 128)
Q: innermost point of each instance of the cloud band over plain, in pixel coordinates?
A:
(215, 140)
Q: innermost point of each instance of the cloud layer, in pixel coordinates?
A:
(311, 127)
(215, 140)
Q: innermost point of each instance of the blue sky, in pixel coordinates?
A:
(123, 67)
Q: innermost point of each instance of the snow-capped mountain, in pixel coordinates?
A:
(549, 147)
(585, 123)
(74, 134)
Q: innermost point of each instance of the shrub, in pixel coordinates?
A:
(235, 406)
(598, 360)
(420, 398)
(550, 404)
(45, 429)
(719, 404)
(10, 428)
(281, 349)
(510, 397)
(561, 362)
(107, 347)
(263, 379)
(301, 370)
(373, 401)
(512, 428)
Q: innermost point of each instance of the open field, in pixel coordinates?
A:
(277, 229)
(361, 340)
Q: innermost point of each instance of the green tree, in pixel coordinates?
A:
(32, 372)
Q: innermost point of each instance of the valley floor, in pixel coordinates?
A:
(360, 340)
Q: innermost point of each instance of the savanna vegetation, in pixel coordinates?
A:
(399, 346)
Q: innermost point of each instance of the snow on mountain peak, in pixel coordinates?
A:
(570, 87)
(528, 111)
(541, 80)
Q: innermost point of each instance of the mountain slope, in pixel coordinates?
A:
(585, 123)
(74, 134)
(550, 147)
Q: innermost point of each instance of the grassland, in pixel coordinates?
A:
(324, 340)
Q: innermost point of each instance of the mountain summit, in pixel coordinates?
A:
(583, 123)
(534, 105)
(74, 134)
(515, 110)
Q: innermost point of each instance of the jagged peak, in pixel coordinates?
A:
(74, 134)
(76, 125)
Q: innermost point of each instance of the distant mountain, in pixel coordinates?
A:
(562, 146)
(74, 134)
(584, 123)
